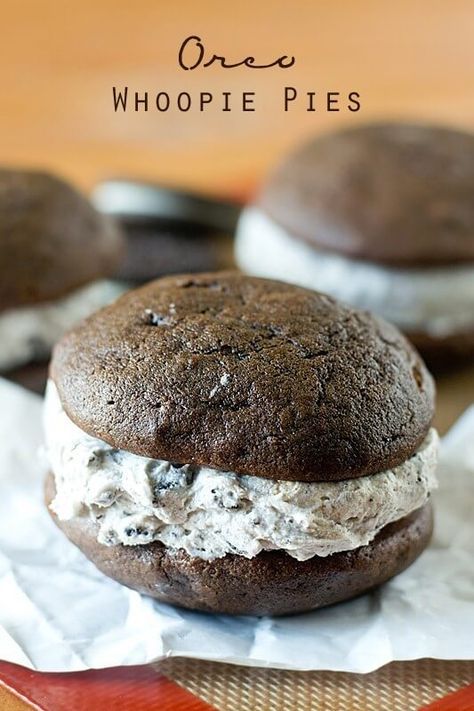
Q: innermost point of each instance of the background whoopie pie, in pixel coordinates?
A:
(237, 445)
(55, 250)
(380, 216)
(168, 230)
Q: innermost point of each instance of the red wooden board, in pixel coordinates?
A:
(139, 688)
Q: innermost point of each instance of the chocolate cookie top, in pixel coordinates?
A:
(246, 375)
(52, 240)
(398, 194)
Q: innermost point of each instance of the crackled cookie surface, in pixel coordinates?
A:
(245, 374)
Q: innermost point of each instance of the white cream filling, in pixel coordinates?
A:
(437, 301)
(28, 333)
(209, 513)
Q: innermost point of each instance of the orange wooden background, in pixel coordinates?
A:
(59, 60)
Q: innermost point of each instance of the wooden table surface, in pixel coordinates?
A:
(59, 62)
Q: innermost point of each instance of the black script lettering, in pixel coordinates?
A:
(191, 55)
(191, 41)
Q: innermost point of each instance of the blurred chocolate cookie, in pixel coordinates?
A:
(52, 240)
(158, 247)
(168, 230)
(55, 251)
(380, 216)
(32, 376)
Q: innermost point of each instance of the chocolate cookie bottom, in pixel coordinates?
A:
(272, 583)
(444, 353)
(32, 376)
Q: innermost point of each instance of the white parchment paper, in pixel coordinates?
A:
(57, 613)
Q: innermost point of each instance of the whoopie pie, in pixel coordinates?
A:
(239, 445)
(55, 250)
(168, 230)
(380, 216)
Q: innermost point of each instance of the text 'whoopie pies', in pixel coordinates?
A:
(55, 250)
(380, 216)
(238, 445)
